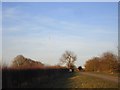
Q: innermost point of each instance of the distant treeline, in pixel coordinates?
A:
(107, 62)
(21, 62)
(19, 78)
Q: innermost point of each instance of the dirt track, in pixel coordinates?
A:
(105, 77)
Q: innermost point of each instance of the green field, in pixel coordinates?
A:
(77, 80)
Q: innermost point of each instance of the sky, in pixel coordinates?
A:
(60, 0)
(0, 33)
(43, 31)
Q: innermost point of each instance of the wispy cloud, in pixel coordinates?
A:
(50, 50)
(45, 37)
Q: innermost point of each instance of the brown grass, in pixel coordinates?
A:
(15, 77)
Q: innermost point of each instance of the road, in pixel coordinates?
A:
(110, 78)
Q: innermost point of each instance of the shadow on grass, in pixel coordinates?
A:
(48, 78)
(52, 82)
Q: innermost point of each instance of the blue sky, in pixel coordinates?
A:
(0, 33)
(60, 0)
(43, 31)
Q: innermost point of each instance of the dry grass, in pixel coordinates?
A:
(75, 80)
(52, 77)
(18, 77)
(82, 81)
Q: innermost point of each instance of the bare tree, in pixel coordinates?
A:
(68, 58)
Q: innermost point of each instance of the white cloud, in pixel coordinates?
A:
(25, 22)
(45, 38)
(50, 50)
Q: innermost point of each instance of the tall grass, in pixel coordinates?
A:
(16, 78)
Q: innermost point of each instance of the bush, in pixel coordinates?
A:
(108, 62)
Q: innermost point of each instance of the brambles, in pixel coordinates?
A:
(17, 77)
(24, 70)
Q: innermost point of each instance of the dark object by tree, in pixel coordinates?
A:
(68, 58)
(80, 68)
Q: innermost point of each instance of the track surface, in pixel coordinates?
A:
(110, 78)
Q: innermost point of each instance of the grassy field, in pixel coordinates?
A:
(76, 80)
(53, 78)
(107, 74)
